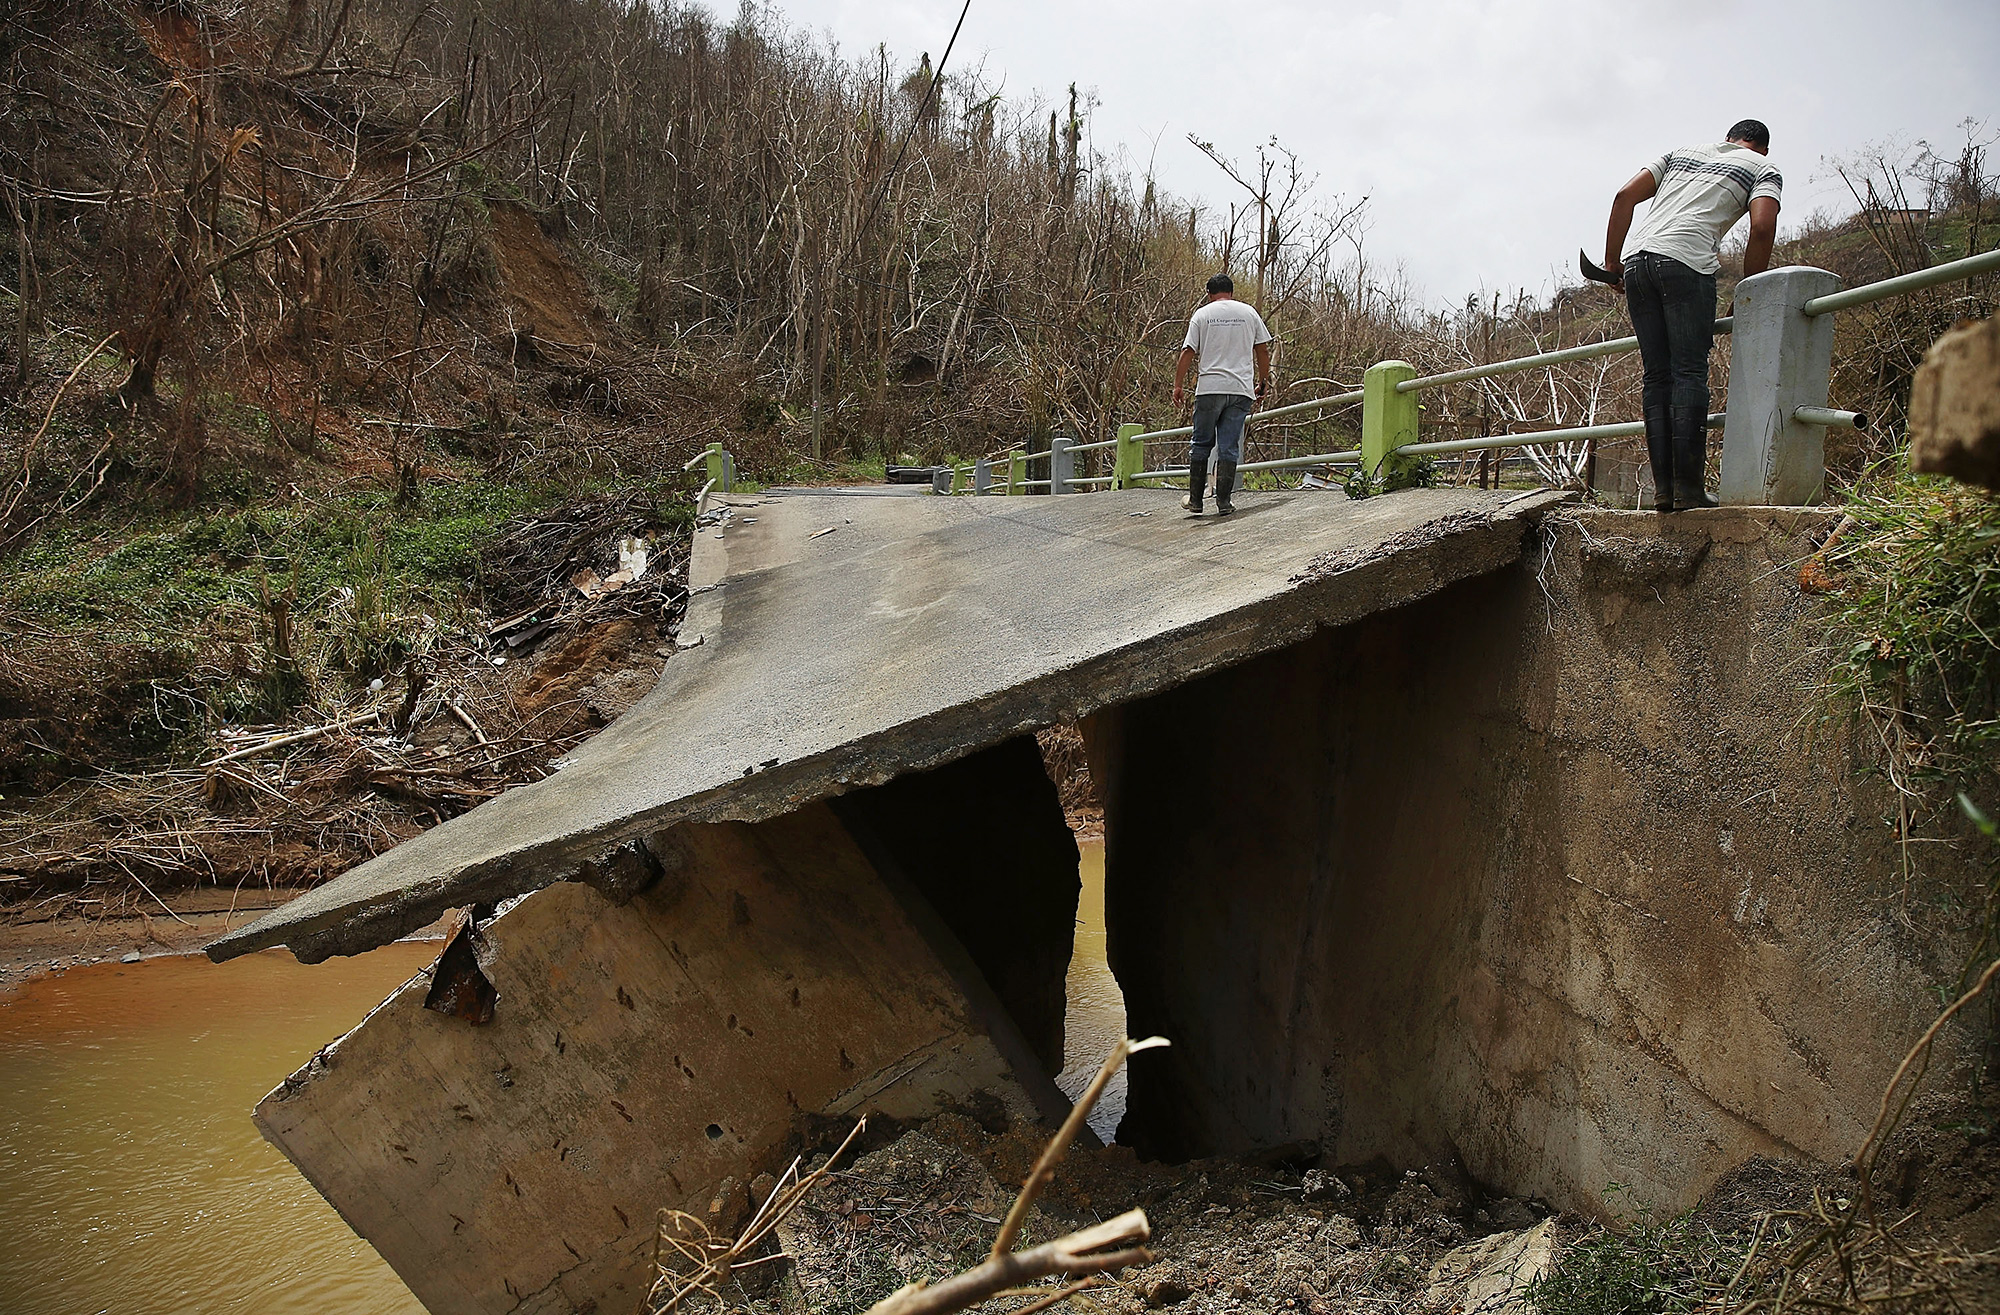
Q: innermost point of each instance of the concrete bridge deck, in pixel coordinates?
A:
(846, 641)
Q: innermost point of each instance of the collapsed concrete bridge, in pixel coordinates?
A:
(1446, 824)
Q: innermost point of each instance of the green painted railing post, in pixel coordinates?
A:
(1388, 418)
(1128, 458)
(1017, 473)
(719, 468)
(957, 480)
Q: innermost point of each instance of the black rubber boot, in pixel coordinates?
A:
(1660, 452)
(1691, 458)
(1197, 477)
(1225, 486)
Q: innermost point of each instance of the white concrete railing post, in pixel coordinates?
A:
(982, 477)
(1062, 465)
(1780, 359)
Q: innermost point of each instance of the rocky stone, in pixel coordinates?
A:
(1492, 1276)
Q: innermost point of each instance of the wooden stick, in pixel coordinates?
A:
(1081, 1252)
(465, 719)
(1045, 1167)
(296, 737)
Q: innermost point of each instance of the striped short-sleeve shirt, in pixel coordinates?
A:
(1701, 192)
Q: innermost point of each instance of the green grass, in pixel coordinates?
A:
(1652, 1267)
(169, 573)
(1915, 640)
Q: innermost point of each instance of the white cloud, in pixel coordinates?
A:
(1489, 136)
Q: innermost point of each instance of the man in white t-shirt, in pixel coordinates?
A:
(1667, 269)
(1230, 341)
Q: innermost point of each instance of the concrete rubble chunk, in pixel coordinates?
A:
(928, 629)
(1492, 1276)
(1955, 406)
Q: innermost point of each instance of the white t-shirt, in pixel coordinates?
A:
(1702, 192)
(1223, 334)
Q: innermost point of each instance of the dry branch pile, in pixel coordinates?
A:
(470, 714)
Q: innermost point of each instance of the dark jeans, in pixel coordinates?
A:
(1218, 423)
(1673, 316)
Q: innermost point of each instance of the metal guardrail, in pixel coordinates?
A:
(1951, 271)
(1770, 410)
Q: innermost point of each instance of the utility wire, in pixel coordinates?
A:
(930, 92)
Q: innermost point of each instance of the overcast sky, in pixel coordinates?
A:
(1488, 136)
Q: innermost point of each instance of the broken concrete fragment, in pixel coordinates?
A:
(649, 1053)
(1955, 406)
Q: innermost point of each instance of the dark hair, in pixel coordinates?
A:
(1749, 130)
(1221, 283)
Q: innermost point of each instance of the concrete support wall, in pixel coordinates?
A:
(639, 1054)
(1535, 873)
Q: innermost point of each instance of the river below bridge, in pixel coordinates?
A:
(135, 1182)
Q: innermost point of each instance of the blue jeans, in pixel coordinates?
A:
(1218, 424)
(1673, 316)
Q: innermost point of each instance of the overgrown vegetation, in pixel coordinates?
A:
(1917, 611)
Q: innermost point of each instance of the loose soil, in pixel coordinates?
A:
(1275, 1233)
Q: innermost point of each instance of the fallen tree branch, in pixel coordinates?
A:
(1045, 1165)
(1081, 1252)
(1892, 1109)
(296, 737)
(28, 452)
(464, 719)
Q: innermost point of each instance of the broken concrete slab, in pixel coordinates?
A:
(641, 1053)
(1955, 406)
(845, 641)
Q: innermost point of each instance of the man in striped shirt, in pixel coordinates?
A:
(1667, 268)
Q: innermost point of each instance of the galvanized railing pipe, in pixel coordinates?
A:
(1830, 417)
(1983, 263)
(1609, 347)
(1492, 442)
(1294, 463)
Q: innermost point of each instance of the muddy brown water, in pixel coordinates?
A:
(132, 1180)
(1095, 1018)
(131, 1177)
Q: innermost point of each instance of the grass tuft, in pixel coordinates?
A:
(1654, 1267)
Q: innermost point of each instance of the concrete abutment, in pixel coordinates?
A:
(1552, 874)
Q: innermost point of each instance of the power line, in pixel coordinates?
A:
(923, 108)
